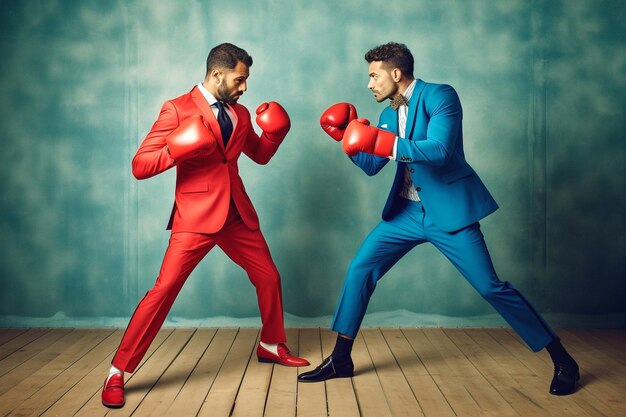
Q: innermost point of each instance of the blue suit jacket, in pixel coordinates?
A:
(450, 190)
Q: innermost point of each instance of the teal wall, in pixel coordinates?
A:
(543, 86)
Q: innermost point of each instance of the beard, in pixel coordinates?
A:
(226, 95)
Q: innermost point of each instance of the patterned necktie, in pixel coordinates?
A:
(398, 101)
(226, 125)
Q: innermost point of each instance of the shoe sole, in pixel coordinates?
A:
(263, 360)
(110, 405)
(322, 380)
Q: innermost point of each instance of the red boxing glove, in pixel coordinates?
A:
(361, 137)
(273, 120)
(190, 139)
(336, 118)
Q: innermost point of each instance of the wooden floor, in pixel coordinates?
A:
(399, 372)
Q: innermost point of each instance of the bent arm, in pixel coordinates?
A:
(444, 110)
(152, 157)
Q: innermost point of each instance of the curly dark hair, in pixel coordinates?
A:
(226, 55)
(395, 54)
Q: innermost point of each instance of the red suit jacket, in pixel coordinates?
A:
(204, 184)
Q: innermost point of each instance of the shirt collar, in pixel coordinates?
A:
(409, 90)
(208, 96)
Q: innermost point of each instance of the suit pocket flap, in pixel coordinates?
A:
(194, 187)
(457, 174)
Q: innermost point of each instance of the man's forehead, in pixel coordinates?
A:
(376, 67)
(241, 69)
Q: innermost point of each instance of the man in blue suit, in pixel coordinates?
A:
(436, 197)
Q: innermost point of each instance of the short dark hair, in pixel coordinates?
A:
(226, 55)
(395, 54)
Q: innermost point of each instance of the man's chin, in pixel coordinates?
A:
(233, 100)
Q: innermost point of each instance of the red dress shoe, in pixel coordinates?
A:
(283, 357)
(113, 391)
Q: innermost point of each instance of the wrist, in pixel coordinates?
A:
(276, 137)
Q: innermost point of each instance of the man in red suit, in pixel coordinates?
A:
(202, 133)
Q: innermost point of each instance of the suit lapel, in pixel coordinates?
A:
(389, 121)
(208, 115)
(413, 105)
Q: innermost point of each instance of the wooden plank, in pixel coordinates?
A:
(141, 381)
(497, 375)
(221, 398)
(455, 359)
(250, 401)
(163, 393)
(367, 387)
(432, 359)
(461, 401)
(488, 399)
(20, 341)
(311, 399)
(49, 364)
(64, 378)
(611, 342)
(397, 390)
(7, 334)
(282, 393)
(283, 389)
(88, 389)
(601, 375)
(42, 399)
(340, 394)
(510, 362)
(194, 391)
(539, 363)
(144, 381)
(21, 358)
(429, 397)
(536, 387)
(444, 376)
(466, 374)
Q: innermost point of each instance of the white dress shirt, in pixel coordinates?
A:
(408, 189)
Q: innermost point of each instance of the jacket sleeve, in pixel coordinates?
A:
(259, 148)
(370, 164)
(444, 110)
(152, 157)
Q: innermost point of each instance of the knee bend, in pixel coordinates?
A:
(491, 290)
(359, 279)
(164, 288)
(271, 280)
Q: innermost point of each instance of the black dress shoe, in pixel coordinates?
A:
(565, 378)
(328, 369)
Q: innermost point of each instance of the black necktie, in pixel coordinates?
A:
(226, 126)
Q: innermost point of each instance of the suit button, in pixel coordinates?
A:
(411, 170)
(418, 189)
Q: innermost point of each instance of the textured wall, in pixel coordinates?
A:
(543, 86)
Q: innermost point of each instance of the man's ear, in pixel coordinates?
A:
(217, 75)
(396, 74)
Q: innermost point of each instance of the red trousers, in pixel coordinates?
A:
(245, 247)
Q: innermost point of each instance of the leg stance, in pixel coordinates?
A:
(184, 252)
(248, 249)
(467, 250)
(383, 247)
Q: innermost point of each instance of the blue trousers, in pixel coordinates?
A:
(392, 239)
